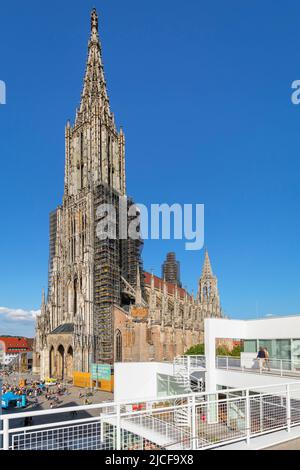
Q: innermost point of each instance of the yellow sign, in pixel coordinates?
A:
(139, 312)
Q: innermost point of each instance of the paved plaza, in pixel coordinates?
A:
(72, 397)
(289, 445)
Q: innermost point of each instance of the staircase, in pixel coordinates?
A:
(182, 414)
(189, 384)
(183, 378)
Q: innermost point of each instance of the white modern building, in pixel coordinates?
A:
(195, 402)
(280, 335)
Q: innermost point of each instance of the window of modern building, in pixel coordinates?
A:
(250, 345)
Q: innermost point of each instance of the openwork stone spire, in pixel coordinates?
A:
(95, 150)
(208, 293)
(207, 270)
(94, 87)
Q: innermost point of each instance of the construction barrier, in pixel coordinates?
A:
(105, 385)
(83, 380)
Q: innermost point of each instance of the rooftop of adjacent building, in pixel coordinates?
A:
(15, 344)
(264, 318)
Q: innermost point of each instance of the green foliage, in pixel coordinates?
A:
(236, 351)
(222, 351)
(197, 350)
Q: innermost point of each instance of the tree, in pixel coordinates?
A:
(236, 351)
(197, 350)
(222, 351)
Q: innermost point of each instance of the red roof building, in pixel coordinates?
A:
(15, 345)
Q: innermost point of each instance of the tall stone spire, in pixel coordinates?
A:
(95, 150)
(94, 86)
(207, 270)
(208, 293)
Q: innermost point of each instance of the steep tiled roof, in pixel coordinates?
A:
(14, 345)
(65, 328)
(159, 284)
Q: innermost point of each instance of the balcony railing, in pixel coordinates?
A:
(190, 362)
(273, 366)
(191, 421)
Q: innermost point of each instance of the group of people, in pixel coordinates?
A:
(37, 389)
(263, 358)
(84, 396)
(32, 390)
(38, 392)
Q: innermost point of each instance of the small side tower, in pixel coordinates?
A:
(208, 293)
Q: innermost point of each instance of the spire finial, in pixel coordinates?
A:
(94, 21)
(94, 27)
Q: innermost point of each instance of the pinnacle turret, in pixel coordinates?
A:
(207, 269)
(208, 294)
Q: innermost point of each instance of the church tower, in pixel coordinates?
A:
(208, 294)
(87, 273)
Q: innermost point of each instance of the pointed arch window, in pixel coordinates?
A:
(118, 340)
(75, 296)
(81, 162)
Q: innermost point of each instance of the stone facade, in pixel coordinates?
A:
(169, 322)
(145, 318)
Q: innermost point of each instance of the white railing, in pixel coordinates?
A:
(281, 367)
(190, 362)
(211, 421)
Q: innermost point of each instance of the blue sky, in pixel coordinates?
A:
(203, 91)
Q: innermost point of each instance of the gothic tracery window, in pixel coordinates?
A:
(75, 296)
(118, 346)
(207, 290)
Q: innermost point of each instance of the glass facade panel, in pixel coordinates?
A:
(162, 385)
(277, 348)
(283, 349)
(270, 344)
(296, 353)
(167, 385)
(250, 345)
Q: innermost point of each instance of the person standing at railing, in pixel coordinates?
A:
(261, 356)
(267, 359)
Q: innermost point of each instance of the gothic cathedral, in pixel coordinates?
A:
(101, 305)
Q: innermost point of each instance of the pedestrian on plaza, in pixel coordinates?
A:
(27, 421)
(261, 356)
(267, 358)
